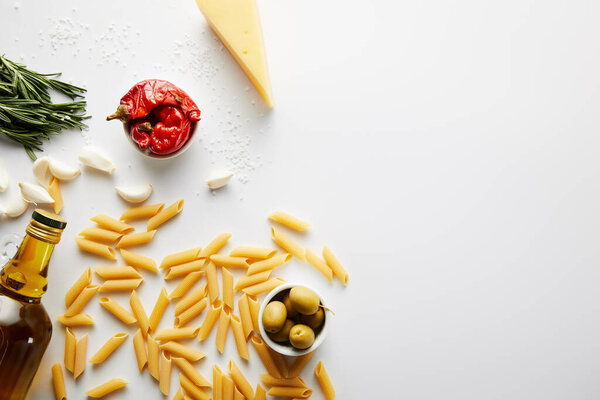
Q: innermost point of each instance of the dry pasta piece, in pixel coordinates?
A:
(240, 338)
(227, 288)
(272, 381)
(191, 389)
(215, 245)
(245, 316)
(287, 391)
(153, 357)
(191, 299)
(165, 214)
(324, 381)
(217, 383)
(209, 321)
(138, 260)
(319, 264)
(228, 261)
(335, 265)
(159, 309)
(212, 280)
(84, 297)
(108, 348)
(186, 284)
(166, 335)
(70, 341)
(125, 272)
(111, 224)
(289, 221)
(250, 280)
(139, 313)
(180, 258)
(254, 306)
(164, 374)
(287, 244)
(120, 284)
(265, 356)
(260, 393)
(58, 381)
(222, 328)
(298, 365)
(240, 380)
(54, 192)
(189, 371)
(184, 269)
(106, 388)
(227, 387)
(252, 252)
(76, 320)
(262, 287)
(135, 239)
(80, 352)
(191, 313)
(139, 346)
(84, 280)
(179, 395)
(183, 351)
(100, 235)
(98, 249)
(237, 395)
(269, 263)
(141, 212)
(280, 362)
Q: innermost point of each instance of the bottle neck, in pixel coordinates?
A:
(26, 275)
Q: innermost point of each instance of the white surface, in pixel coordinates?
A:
(446, 151)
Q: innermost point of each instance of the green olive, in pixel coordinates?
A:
(304, 300)
(315, 320)
(291, 312)
(301, 336)
(284, 333)
(274, 316)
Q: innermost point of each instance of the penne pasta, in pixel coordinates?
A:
(184, 269)
(254, 306)
(319, 264)
(240, 338)
(111, 224)
(269, 264)
(212, 281)
(186, 284)
(215, 245)
(80, 352)
(335, 265)
(76, 320)
(209, 321)
(265, 356)
(245, 316)
(100, 235)
(120, 284)
(166, 335)
(139, 313)
(159, 309)
(117, 272)
(252, 252)
(190, 299)
(108, 348)
(98, 249)
(179, 395)
(240, 380)
(250, 280)
(227, 387)
(183, 351)
(106, 388)
(84, 297)
(138, 260)
(84, 280)
(287, 244)
(70, 341)
(222, 328)
(217, 383)
(153, 357)
(324, 381)
(228, 261)
(287, 391)
(260, 393)
(279, 361)
(262, 287)
(194, 391)
(180, 258)
(164, 374)
(139, 346)
(141, 212)
(227, 288)
(298, 365)
(58, 381)
(135, 239)
(191, 313)
(165, 214)
(54, 192)
(289, 221)
(190, 372)
(272, 381)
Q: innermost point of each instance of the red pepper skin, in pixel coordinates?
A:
(138, 136)
(172, 132)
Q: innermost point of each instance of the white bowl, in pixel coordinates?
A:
(150, 154)
(288, 349)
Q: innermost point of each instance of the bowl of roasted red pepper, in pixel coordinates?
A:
(158, 117)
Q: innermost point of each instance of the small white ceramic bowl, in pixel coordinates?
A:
(288, 349)
(150, 154)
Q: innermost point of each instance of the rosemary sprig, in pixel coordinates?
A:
(27, 114)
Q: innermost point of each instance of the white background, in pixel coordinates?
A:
(446, 151)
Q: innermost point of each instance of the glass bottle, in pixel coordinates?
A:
(25, 328)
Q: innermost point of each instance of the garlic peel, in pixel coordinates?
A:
(3, 178)
(218, 179)
(41, 170)
(94, 158)
(134, 194)
(35, 194)
(61, 170)
(17, 206)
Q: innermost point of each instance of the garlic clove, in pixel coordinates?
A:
(3, 178)
(94, 158)
(16, 207)
(218, 179)
(134, 194)
(61, 170)
(41, 170)
(35, 194)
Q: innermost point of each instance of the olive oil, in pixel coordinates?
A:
(25, 328)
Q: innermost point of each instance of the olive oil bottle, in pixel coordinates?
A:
(25, 328)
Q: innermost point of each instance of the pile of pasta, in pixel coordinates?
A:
(198, 290)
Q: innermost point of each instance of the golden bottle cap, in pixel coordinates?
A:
(46, 226)
(49, 219)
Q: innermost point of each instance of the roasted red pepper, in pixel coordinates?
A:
(160, 115)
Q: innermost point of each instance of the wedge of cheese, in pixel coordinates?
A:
(237, 24)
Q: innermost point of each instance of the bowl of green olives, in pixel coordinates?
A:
(292, 319)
